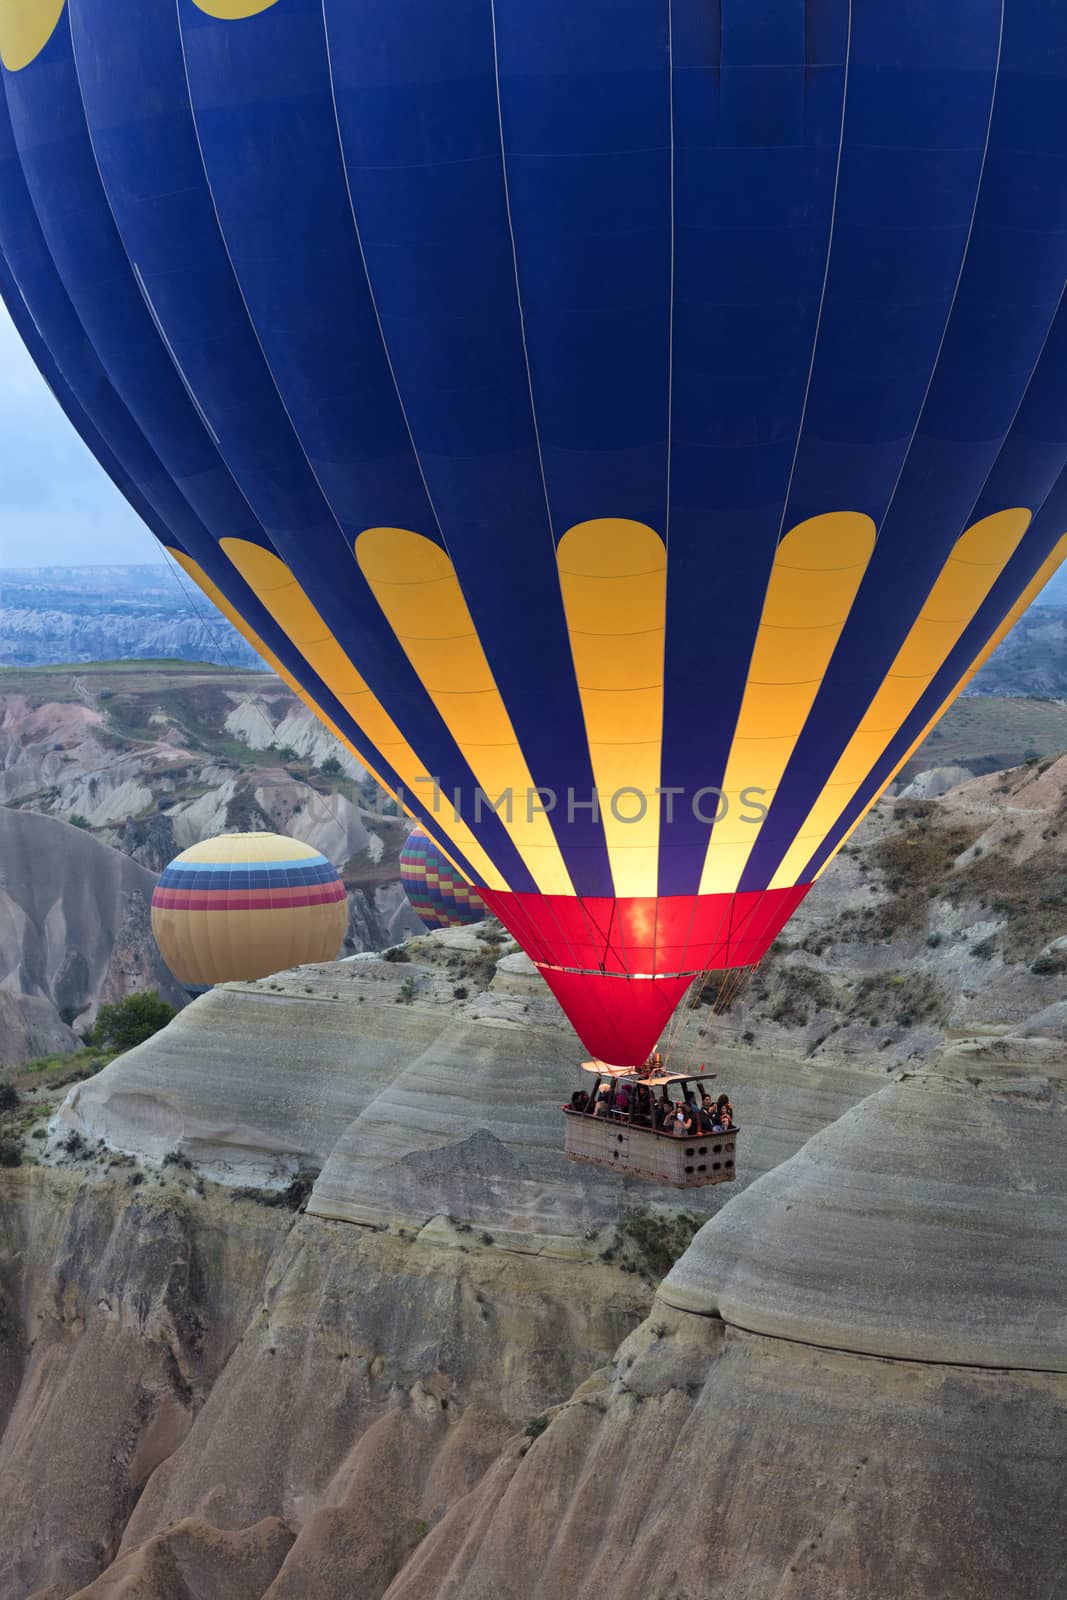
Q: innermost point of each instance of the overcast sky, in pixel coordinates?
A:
(57, 506)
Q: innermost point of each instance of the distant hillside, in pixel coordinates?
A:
(1032, 660)
(50, 615)
(53, 614)
(151, 756)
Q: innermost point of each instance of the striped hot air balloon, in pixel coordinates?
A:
(439, 894)
(244, 905)
(640, 419)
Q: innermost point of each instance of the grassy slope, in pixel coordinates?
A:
(987, 733)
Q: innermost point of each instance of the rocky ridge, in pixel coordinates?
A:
(202, 1394)
(75, 933)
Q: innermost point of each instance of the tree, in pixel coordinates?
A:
(330, 767)
(76, 820)
(131, 1021)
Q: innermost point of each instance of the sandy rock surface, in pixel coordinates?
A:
(75, 932)
(410, 1103)
(928, 1223)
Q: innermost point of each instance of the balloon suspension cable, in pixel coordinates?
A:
(733, 984)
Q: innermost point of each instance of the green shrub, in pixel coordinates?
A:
(1048, 965)
(9, 1097)
(10, 1153)
(396, 952)
(131, 1021)
(330, 767)
(76, 820)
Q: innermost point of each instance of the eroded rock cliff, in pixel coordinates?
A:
(853, 1384)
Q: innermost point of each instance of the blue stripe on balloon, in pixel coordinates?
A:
(756, 134)
(154, 493)
(419, 128)
(289, 231)
(956, 443)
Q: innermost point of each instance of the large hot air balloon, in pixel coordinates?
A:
(640, 419)
(244, 905)
(439, 894)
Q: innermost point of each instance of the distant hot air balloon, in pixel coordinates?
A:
(642, 420)
(244, 905)
(439, 894)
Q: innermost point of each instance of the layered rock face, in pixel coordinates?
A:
(75, 932)
(200, 1396)
(853, 1384)
(419, 1089)
(939, 1206)
(926, 1229)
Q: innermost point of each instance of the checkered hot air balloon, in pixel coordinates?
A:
(651, 413)
(440, 895)
(244, 905)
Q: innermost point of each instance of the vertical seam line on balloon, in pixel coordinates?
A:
(157, 324)
(944, 335)
(1034, 510)
(811, 372)
(515, 267)
(533, 403)
(228, 643)
(136, 277)
(959, 281)
(670, 301)
(327, 504)
(370, 286)
(825, 281)
(385, 345)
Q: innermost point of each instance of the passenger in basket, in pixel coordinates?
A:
(642, 1107)
(681, 1122)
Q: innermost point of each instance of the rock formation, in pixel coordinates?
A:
(74, 933)
(853, 1384)
(417, 1089)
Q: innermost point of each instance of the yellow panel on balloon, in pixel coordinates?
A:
(1025, 600)
(219, 600)
(975, 562)
(613, 577)
(25, 28)
(274, 585)
(415, 583)
(818, 568)
(233, 10)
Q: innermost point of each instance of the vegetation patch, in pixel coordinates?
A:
(801, 992)
(897, 1000)
(131, 1021)
(649, 1242)
(916, 863)
(294, 1197)
(1029, 896)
